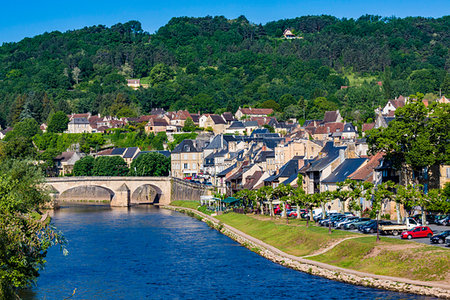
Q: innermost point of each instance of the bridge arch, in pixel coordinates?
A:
(146, 194)
(90, 192)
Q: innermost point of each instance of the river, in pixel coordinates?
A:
(150, 253)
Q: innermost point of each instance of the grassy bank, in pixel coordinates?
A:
(293, 239)
(390, 257)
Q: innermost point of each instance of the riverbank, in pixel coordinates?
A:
(327, 259)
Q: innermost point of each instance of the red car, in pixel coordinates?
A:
(417, 232)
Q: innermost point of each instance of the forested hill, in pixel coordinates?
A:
(214, 64)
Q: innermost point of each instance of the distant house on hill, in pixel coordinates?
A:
(252, 112)
(134, 83)
(287, 34)
(79, 125)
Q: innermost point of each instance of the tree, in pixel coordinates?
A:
(84, 166)
(189, 125)
(25, 234)
(415, 140)
(110, 166)
(26, 129)
(150, 164)
(58, 122)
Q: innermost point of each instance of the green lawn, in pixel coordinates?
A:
(292, 239)
(390, 257)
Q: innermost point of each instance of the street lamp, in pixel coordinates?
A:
(329, 219)
(378, 229)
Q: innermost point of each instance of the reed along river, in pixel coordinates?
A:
(150, 253)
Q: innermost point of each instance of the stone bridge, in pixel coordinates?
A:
(124, 191)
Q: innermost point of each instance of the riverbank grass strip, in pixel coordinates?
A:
(295, 240)
(390, 257)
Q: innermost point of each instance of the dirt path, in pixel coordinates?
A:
(322, 251)
(437, 289)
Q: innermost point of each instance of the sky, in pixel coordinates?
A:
(28, 18)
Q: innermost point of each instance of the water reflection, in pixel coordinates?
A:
(147, 252)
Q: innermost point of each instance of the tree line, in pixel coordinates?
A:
(214, 64)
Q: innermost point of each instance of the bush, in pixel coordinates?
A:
(110, 166)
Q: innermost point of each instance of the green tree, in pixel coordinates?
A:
(110, 166)
(58, 122)
(150, 164)
(25, 234)
(26, 129)
(415, 140)
(189, 125)
(84, 166)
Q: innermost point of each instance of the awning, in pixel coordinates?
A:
(230, 200)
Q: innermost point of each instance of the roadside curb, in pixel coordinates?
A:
(317, 268)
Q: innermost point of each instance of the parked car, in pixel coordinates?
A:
(438, 217)
(293, 213)
(337, 220)
(347, 220)
(371, 227)
(429, 219)
(417, 232)
(444, 221)
(356, 222)
(331, 219)
(447, 241)
(439, 238)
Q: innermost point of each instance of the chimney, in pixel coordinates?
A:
(341, 155)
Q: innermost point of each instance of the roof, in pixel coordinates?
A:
(368, 126)
(118, 151)
(218, 142)
(331, 116)
(226, 171)
(291, 179)
(348, 127)
(105, 152)
(186, 146)
(130, 152)
(256, 111)
(65, 156)
(329, 128)
(252, 180)
(157, 111)
(251, 124)
(79, 121)
(217, 119)
(287, 170)
(236, 124)
(365, 173)
(344, 170)
(227, 116)
(332, 153)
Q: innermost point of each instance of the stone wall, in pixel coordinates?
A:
(183, 190)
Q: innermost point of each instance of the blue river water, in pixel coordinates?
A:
(149, 253)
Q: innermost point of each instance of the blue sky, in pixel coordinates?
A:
(28, 18)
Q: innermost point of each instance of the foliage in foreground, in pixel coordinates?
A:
(25, 234)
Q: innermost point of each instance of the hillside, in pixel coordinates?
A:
(213, 63)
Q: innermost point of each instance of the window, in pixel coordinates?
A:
(448, 172)
(185, 156)
(417, 229)
(186, 166)
(424, 229)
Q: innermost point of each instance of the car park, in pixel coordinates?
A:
(439, 238)
(417, 232)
